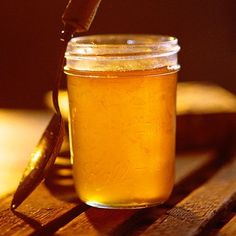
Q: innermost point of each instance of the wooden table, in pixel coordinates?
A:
(203, 201)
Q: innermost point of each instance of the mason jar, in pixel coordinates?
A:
(122, 100)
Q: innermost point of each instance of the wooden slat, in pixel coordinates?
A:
(103, 222)
(196, 131)
(39, 210)
(229, 229)
(191, 215)
(43, 212)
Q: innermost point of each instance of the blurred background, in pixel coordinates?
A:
(30, 30)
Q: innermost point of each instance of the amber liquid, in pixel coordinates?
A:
(122, 130)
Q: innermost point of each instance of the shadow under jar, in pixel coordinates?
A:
(122, 98)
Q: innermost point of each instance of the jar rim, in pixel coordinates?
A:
(125, 51)
(121, 44)
(128, 40)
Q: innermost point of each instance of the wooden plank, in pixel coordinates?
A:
(196, 131)
(201, 107)
(44, 212)
(228, 229)
(103, 222)
(39, 210)
(195, 212)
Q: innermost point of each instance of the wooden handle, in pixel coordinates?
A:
(79, 14)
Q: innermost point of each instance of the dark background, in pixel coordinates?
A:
(30, 29)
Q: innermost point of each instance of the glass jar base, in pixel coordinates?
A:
(123, 206)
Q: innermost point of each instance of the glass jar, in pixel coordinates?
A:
(122, 99)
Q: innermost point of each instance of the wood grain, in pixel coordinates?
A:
(39, 210)
(203, 205)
